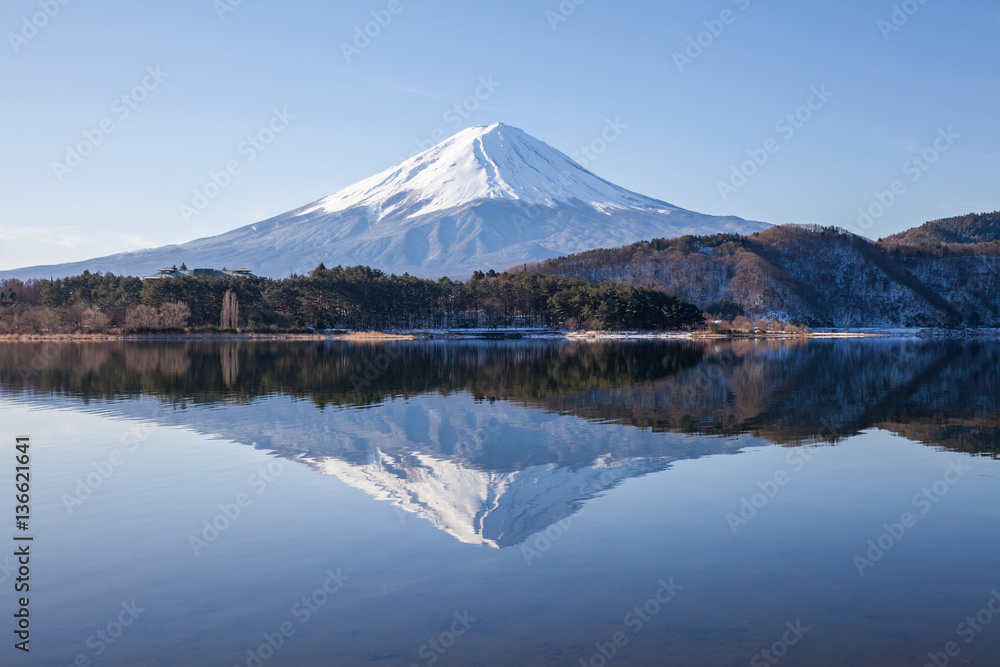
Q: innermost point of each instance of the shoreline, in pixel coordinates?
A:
(505, 334)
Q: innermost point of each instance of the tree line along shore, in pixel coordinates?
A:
(353, 298)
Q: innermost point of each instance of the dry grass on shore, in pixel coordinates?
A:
(195, 335)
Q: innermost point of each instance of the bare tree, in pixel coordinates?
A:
(94, 320)
(230, 311)
(73, 317)
(142, 317)
(7, 321)
(174, 315)
(38, 320)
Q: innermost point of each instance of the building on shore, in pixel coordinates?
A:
(184, 272)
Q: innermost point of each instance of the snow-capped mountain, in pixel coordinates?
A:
(497, 162)
(488, 197)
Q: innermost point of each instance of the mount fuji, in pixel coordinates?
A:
(488, 197)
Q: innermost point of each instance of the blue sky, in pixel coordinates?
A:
(201, 76)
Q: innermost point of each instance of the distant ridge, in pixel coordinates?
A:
(971, 228)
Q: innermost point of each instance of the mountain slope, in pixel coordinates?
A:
(817, 276)
(487, 197)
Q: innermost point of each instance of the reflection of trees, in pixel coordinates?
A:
(336, 373)
(148, 359)
(229, 358)
(936, 392)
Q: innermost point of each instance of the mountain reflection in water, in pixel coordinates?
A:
(495, 441)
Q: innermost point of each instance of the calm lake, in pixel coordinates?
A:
(506, 503)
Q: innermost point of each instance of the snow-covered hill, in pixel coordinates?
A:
(488, 197)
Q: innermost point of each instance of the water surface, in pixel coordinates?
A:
(509, 503)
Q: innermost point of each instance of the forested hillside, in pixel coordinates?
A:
(806, 274)
(353, 298)
(971, 228)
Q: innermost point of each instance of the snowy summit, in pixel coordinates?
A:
(484, 162)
